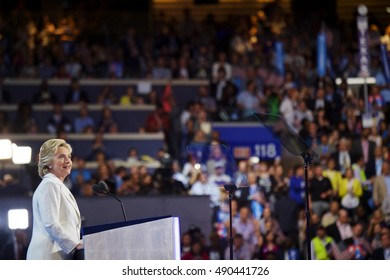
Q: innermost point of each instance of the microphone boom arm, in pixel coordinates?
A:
(120, 201)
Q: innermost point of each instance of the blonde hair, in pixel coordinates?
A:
(47, 153)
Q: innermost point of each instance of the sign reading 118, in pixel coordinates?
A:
(265, 150)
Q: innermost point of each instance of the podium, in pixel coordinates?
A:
(155, 238)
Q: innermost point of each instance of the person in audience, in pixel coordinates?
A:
(321, 245)
(361, 247)
(241, 251)
(57, 219)
(341, 230)
(75, 94)
(83, 121)
(383, 253)
(350, 191)
(381, 185)
(25, 121)
(58, 121)
(331, 216)
(107, 120)
(105, 173)
(106, 96)
(342, 156)
(286, 213)
(322, 110)
(197, 252)
(128, 97)
(321, 191)
(297, 186)
(44, 95)
(80, 175)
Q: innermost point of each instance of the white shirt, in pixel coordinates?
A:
(199, 188)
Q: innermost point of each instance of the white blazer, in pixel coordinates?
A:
(56, 221)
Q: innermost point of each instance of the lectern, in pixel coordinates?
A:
(156, 238)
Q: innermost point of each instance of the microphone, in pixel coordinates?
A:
(102, 188)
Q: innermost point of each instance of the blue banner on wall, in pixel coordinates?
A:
(279, 58)
(321, 54)
(364, 59)
(246, 140)
(385, 62)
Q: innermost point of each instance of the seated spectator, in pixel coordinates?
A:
(321, 245)
(321, 191)
(24, 121)
(104, 173)
(98, 149)
(381, 185)
(341, 230)
(132, 156)
(160, 70)
(216, 249)
(241, 251)
(271, 250)
(197, 252)
(106, 96)
(247, 226)
(107, 121)
(350, 191)
(156, 121)
(286, 213)
(73, 67)
(84, 120)
(251, 196)
(46, 68)
(58, 121)
(80, 175)
(44, 95)
(330, 216)
(75, 94)
(361, 248)
(297, 186)
(128, 98)
(383, 253)
(333, 175)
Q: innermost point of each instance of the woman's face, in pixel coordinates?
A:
(62, 163)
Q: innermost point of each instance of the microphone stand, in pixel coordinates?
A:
(230, 188)
(120, 201)
(307, 158)
(103, 189)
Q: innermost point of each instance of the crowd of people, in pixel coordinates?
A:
(349, 180)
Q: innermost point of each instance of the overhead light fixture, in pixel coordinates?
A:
(21, 154)
(17, 219)
(5, 149)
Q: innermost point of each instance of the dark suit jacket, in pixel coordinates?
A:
(333, 231)
(83, 96)
(378, 254)
(336, 156)
(357, 150)
(286, 213)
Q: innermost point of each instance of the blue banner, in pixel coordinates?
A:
(279, 57)
(385, 63)
(321, 54)
(246, 140)
(364, 58)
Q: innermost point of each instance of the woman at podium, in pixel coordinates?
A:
(56, 216)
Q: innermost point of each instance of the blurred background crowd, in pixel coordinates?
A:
(349, 181)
